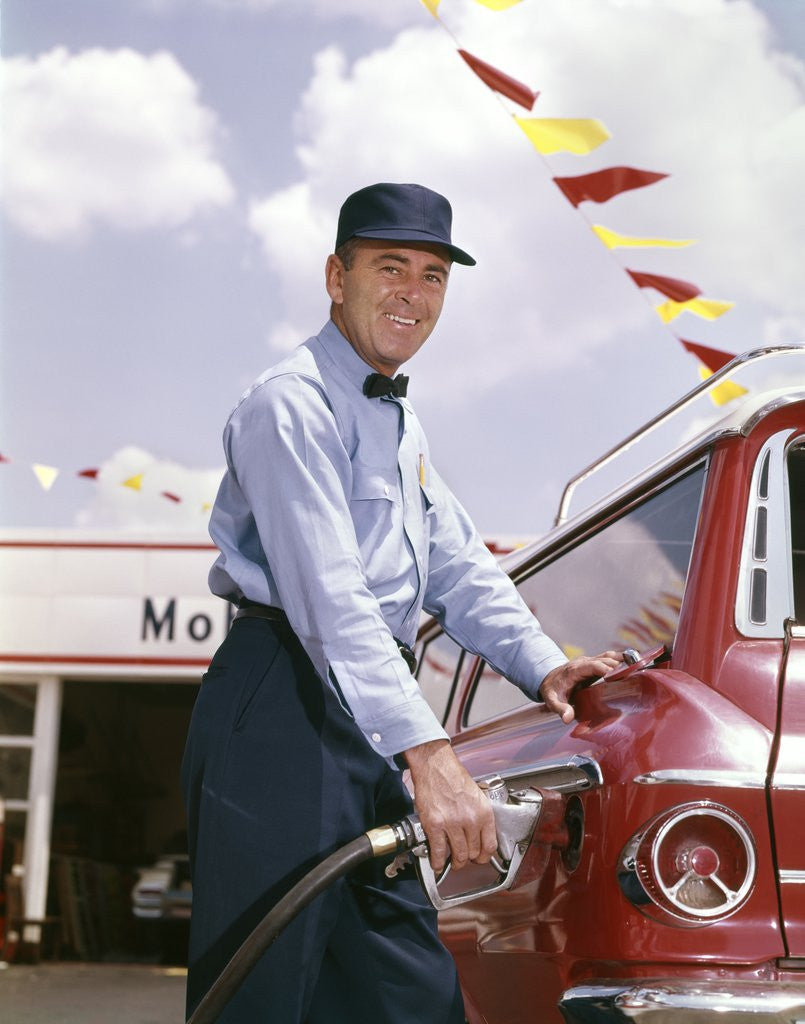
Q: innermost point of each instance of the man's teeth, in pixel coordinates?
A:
(399, 319)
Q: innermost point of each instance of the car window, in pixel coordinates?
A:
(439, 665)
(620, 587)
(796, 493)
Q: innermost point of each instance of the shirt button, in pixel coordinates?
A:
(376, 737)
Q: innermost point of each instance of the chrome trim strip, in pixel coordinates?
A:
(792, 876)
(694, 1002)
(703, 777)
(734, 426)
(582, 773)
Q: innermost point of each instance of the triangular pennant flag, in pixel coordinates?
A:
(722, 393)
(497, 5)
(170, 496)
(134, 482)
(500, 82)
(707, 309)
(714, 359)
(46, 475)
(569, 134)
(672, 287)
(206, 506)
(603, 185)
(432, 6)
(612, 240)
(90, 474)
(4, 459)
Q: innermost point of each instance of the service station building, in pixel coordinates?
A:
(102, 646)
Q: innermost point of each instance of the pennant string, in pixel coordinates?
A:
(601, 186)
(500, 82)
(581, 136)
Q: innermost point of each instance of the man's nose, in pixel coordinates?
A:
(408, 290)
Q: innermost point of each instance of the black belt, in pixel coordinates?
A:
(252, 610)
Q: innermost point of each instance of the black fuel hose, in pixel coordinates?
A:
(375, 843)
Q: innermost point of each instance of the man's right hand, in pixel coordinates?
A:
(455, 814)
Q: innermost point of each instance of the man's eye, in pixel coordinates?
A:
(391, 270)
(433, 279)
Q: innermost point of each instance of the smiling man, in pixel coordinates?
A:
(335, 531)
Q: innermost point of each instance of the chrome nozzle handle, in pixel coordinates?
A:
(515, 820)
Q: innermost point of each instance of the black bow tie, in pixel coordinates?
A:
(378, 384)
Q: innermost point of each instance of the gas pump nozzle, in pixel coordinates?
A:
(516, 815)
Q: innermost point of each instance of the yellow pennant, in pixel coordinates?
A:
(612, 240)
(707, 309)
(498, 5)
(722, 393)
(572, 652)
(134, 482)
(46, 475)
(432, 6)
(567, 134)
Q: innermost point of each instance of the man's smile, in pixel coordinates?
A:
(400, 319)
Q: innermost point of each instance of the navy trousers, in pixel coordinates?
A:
(276, 776)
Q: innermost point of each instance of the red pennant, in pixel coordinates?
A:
(500, 82)
(171, 497)
(4, 459)
(712, 358)
(672, 287)
(603, 185)
(90, 474)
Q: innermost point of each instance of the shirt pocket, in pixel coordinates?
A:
(370, 484)
(376, 510)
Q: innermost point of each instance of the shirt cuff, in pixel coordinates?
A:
(537, 674)
(402, 727)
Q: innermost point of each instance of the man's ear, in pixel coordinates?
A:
(334, 278)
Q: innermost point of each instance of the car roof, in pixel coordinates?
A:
(730, 402)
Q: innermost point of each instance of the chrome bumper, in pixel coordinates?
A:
(686, 1002)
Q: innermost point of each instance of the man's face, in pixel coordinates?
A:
(387, 304)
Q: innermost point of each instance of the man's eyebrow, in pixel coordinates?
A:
(438, 268)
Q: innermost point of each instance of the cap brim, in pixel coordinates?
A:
(412, 235)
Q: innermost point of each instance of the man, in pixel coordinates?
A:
(334, 532)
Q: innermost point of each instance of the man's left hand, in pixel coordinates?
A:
(559, 684)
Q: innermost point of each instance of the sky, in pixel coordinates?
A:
(170, 178)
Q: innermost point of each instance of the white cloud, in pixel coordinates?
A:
(101, 136)
(688, 87)
(115, 505)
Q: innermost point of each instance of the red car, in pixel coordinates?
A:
(666, 876)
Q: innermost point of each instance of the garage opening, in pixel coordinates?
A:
(117, 811)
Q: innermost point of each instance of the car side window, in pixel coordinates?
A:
(439, 665)
(620, 587)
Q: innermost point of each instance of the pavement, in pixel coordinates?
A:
(89, 993)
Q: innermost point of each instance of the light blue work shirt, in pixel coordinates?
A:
(331, 510)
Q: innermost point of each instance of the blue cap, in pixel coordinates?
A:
(404, 213)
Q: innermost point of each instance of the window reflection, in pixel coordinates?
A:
(621, 587)
(438, 666)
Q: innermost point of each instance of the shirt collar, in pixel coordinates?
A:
(343, 356)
